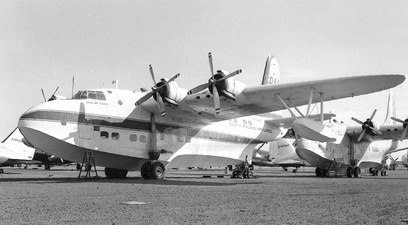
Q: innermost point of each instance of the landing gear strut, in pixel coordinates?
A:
(155, 171)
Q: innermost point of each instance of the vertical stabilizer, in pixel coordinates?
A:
(271, 72)
(391, 110)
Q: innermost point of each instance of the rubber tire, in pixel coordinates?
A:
(157, 171)
(357, 172)
(319, 172)
(294, 171)
(349, 172)
(145, 170)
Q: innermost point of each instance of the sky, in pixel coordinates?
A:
(44, 44)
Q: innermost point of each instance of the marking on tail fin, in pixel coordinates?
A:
(271, 72)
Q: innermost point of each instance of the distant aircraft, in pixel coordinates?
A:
(175, 127)
(282, 153)
(352, 148)
(13, 151)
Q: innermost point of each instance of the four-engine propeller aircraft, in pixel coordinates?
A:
(13, 151)
(350, 149)
(178, 127)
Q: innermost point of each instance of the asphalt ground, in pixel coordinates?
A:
(274, 196)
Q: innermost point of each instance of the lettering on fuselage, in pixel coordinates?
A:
(249, 127)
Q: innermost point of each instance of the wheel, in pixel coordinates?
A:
(234, 174)
(239, 174)
(247, 174)
(294, 170)
(318, 172)
(78, 166)
(157, 171)
(349, 171)
(325, 173)
(1, 170)
(109, 173)
(47, 166)
(357, 172)
(284, 168)
(385, 173)
(144, 170)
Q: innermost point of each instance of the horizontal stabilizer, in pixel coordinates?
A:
(313, 130)
(288, 122)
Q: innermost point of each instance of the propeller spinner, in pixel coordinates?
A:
(404, 125)
(155, 92)
(367, 125)
(212, 82)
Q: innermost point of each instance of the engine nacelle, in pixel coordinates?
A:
(171, 93)
(371, 124)
(229, 87)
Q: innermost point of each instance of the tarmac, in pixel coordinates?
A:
(198, 196)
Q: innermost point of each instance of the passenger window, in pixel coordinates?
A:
(142, 138)
(244, 121)
(250, 123)
(133, 137)
(104, 135)
(115, 136)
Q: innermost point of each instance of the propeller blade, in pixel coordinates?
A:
(173, 78)
(152, 74)
(198, 88)
(161, 104)
(404, 134)
(55, 91)
(144, 98)
(398, 120)
(43, 95)
(375, 130)
(356, 120)
(211, 64)
(372, 115)
(361, 135)
(229, 75)
(216, 100)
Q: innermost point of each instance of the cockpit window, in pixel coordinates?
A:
(99, 95)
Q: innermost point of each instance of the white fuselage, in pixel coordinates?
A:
(364, 154)
(120, 134)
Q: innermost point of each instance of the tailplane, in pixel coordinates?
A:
(271, 72)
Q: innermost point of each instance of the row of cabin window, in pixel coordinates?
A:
(133, 137)
(115, 136)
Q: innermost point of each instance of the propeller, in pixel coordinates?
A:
(368, 124)
(52, 96)
(212, 82)
(404, 125)
(155, 92)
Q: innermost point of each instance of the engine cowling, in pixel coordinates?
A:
(229, 87)
(171, 93)
(370, 124)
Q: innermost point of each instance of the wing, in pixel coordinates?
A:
(389, 132)
(264, 98)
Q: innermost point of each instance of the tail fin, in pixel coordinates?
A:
(282, 150)
(391, 110)
(271, 72)
(14, 144)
